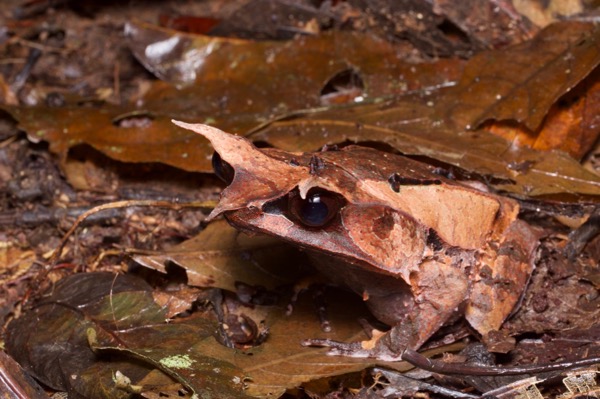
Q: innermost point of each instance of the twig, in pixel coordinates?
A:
(122, 204)
(112, 205)
(440, 367)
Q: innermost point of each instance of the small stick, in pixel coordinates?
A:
(112, 205)
(439, 367)
(122, 204)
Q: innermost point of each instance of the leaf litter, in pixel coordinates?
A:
(413, 107)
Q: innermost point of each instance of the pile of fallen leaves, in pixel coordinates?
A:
(143, 298)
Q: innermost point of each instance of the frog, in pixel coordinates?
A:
(422, 249)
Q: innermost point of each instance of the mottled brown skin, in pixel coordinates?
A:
(421, 249)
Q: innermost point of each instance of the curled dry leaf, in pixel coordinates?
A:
(570, 125)
(87, 313)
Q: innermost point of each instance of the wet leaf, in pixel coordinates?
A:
(62, 337)
(50, 341)
(231, 83)
(410, 125)
(220, 256)
(106, 129)
(521, 83)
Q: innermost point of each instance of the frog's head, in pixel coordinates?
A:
(343, 203)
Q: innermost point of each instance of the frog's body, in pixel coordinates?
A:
(418, 247)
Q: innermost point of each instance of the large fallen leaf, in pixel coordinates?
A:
(237, 84)
(220, 256)
(522, 83)
(50, 341)
(97, 325)
(493, 87)
(282, 363)
(297, 70)
(53, 340)
(154, 140)
(410, 125)
(234, 84)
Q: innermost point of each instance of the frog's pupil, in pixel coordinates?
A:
(314, 212)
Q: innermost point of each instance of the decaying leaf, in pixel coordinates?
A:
(106, 336)
(570, 125)
(394, 123)
(281, 363)
(221, 256)
(60, 341)
(433, 125)
(224, 92)
(572, 281)
(61, 322)
(151, 141)
(91, 315)
(521, 83)
(237, 87)
(221, 67)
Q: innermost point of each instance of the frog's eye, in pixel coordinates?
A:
(222, 169)
(317, 209)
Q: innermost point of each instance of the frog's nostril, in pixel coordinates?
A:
(222, 169)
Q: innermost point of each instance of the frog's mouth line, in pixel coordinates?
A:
(344, 269)
(279, 225)
(333, 239)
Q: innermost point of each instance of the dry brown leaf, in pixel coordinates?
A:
(410, 126)
(220, 256)
(521, 83)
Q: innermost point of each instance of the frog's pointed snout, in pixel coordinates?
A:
(236, 151)
(258, 177)
(226, 144)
